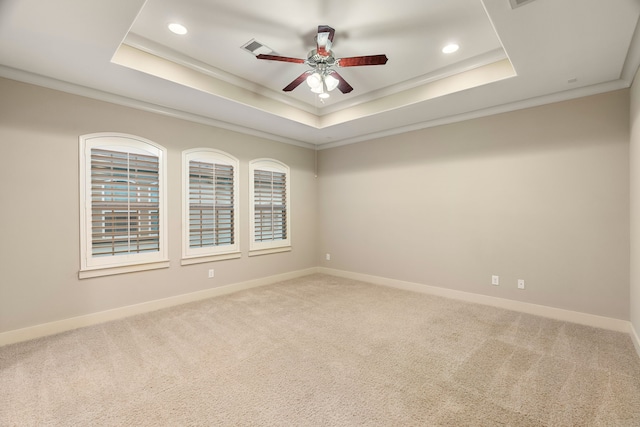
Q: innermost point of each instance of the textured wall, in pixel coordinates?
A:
(39, 219)
(540, 194)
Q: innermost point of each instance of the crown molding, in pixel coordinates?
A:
(48, 82)
(485, 112)
(51, 83)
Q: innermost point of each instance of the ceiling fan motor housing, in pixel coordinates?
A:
(314, 58)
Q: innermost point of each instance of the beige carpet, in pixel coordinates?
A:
(324, 351)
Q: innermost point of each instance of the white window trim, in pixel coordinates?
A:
(263, 248)
(103, 266)
(201, 255)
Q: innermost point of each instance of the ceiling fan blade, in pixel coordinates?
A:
(324, 39)
(342, 83)
(356, 61)
(294, 84)
(281, 58)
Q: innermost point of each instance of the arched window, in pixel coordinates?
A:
(270, 207)
(210, 206)
(122, 204)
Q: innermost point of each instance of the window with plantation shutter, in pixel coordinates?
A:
(210, 208)
(270, 218)
(270, 206)
(122, 204)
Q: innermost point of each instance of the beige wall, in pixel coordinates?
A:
(540, 194)
(39, 218)
(635, 205)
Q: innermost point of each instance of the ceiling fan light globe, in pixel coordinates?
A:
(324, 95)
(314, 81)
(331, 82)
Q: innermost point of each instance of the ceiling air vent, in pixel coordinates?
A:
(518, 3)
(256, 48)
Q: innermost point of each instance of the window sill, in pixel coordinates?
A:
(209, 258)
(258, 252)
(109, 271)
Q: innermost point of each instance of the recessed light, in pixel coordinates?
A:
(450, 48)
(177, 28)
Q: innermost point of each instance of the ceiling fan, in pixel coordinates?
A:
(322, 78)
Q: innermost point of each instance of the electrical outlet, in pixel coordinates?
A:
(211, 273)
(328, 257)
(520, 284)
(495, 280)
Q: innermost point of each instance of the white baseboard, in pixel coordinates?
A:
(523, 307)
(64, 325)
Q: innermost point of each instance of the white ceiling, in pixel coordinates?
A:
(121, 51)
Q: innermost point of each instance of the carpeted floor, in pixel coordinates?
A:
(324, 351)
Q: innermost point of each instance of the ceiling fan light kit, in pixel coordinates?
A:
(320, 83)
(322, 78)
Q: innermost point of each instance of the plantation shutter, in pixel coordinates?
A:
(270, 206)
(124, 203)
(211, 204)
